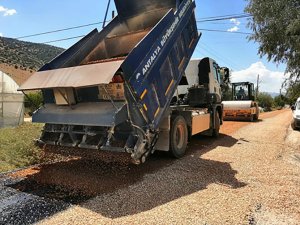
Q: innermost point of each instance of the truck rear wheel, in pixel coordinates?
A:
(252, 118)
(293, 125)
(216, 129)
(178, 137)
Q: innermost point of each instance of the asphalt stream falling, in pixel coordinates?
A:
(250, 175)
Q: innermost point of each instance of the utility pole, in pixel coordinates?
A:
(257, 86)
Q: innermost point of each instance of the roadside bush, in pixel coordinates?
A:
(279, 102)
(265, 101)
(33, 101)
(293, 92)
(226, 94)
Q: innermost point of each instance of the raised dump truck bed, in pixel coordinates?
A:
(113, 89)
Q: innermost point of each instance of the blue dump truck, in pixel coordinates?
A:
(131, 87)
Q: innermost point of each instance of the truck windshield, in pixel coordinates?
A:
(217, 72)
(298, 105)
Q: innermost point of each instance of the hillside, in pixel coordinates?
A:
(20, 59)
(18, 75)
(273, 94)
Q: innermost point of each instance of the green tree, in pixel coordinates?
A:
(276, 27)
(265, 100)
(226, 87)
(226, 93)
(33, 101)
(279, 101)
(293, 92)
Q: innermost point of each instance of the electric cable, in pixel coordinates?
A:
(205, 19)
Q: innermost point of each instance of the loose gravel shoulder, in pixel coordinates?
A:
(250, 177)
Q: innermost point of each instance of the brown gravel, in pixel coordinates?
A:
(251, 177)
(230, 127)
(25, 172)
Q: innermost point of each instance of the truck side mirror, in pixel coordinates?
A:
(226, 74)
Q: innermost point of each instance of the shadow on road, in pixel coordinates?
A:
(258, 121)
(115, 189)
(243, 120)
(209, 143)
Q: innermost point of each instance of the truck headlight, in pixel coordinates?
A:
(298, 117)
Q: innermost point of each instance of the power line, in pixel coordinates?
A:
(228, 15)
(214, 55)
(222, 23)
(229, 61)
(224, 18)
(63, 39)
(59, 30)
(209, 30)
(205, 19)
(225, 31)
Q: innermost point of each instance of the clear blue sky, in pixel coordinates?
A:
(34, 16)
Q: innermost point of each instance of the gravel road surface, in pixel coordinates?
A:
(250, 175)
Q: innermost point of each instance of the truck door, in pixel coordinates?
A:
(217, 79)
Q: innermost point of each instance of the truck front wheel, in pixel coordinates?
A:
(293, 125)
(178, 137)
(216, 129)
(256, 116)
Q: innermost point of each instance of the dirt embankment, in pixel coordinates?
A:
(17, 74)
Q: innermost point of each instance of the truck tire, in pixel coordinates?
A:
(256, 116)
(293, 125)
(252, 118)
(216, 129)
(178, 137)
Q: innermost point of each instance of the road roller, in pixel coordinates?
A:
(243, 105)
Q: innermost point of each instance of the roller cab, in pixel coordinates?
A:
(243, 106)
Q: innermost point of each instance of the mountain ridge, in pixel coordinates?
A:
(20, 59)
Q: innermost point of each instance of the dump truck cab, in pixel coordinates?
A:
(204, 72)
(197, 103)
(204, 77)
